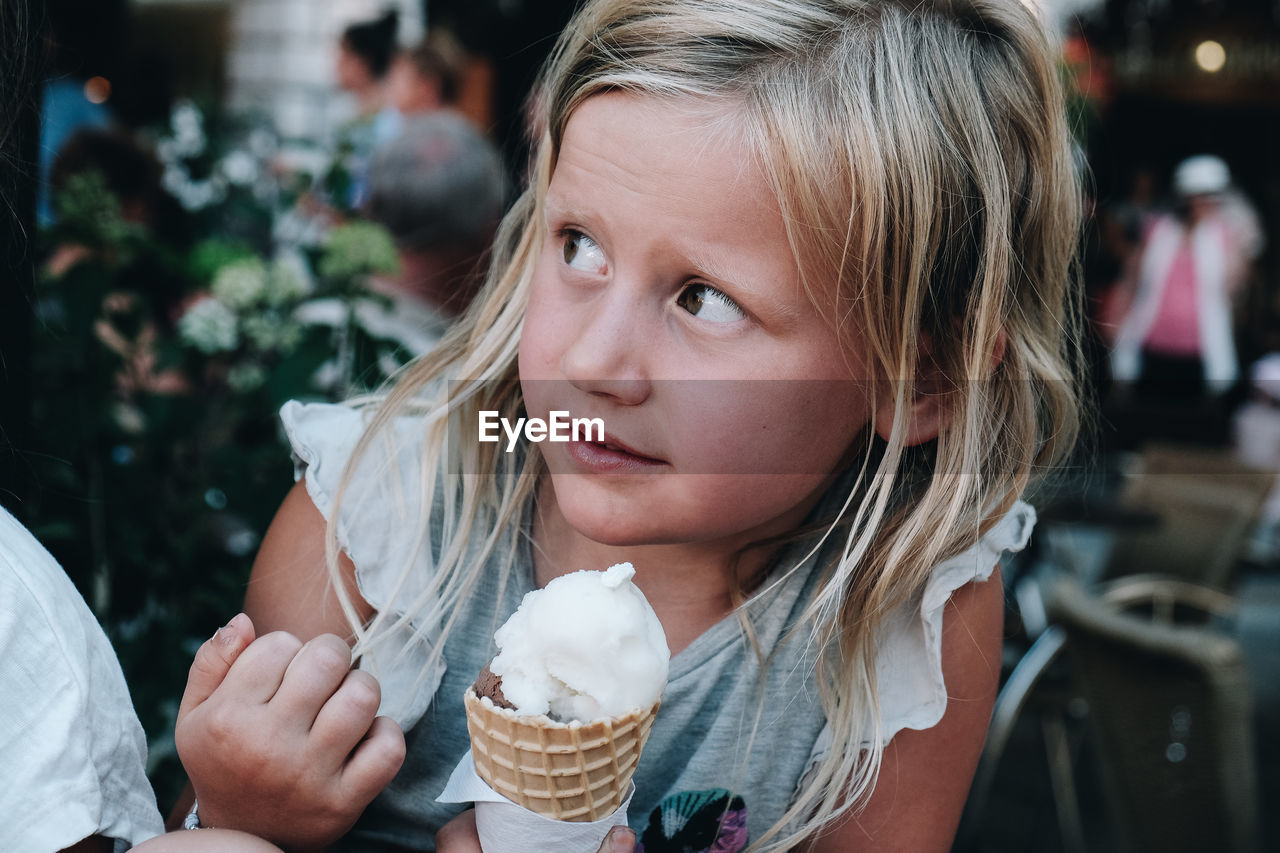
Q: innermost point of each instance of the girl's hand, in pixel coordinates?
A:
(281, 739)
(459, 836)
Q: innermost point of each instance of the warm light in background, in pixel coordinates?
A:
(1210, 56)
(97, 90)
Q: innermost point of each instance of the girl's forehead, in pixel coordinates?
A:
(720, 122)
(673, 157)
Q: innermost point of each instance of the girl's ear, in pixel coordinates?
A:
(927, 413)
(924, 413)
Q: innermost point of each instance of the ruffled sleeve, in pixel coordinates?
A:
(381, 527)
(909, 654)
(909, 680)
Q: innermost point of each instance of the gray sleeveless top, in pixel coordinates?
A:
(720, 767)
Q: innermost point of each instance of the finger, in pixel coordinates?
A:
(214, 660)
(206, 841)
(459, 835)
(621, 839)
(375, 762)
(347, 717)
(313, 676)
(260, 669)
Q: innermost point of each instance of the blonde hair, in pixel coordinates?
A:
(920, 155)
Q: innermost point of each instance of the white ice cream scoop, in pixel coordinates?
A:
(586, 647)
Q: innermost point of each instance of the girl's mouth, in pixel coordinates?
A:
(612, 456)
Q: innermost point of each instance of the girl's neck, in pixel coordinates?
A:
(689, 585)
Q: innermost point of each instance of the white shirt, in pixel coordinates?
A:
(72, 753)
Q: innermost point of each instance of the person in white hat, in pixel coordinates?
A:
(1177, 340)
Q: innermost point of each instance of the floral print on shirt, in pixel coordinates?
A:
(712, 821)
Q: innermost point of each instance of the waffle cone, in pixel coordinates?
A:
(564, 771)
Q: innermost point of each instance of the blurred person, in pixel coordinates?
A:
(143, 309)
(439, 189)
(365, 52)
(65, 109)
(69, 103)
(427, 76)
(1127, 221)
(73, 752)
(1118, 232)
(133, 174)
(1255, 438)
(1256, 425)
(1176, 342)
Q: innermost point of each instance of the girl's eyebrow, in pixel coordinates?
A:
(711, 264)
(554, 207)
(760, 298)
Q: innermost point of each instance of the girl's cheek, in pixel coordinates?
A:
(539, 338)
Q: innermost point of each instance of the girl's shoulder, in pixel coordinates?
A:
(386, 517)
(379, 499)
(909, 657)
(911, 692)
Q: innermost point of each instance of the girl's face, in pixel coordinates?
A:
(667, 303)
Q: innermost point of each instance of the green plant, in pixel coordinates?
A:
(160, 371)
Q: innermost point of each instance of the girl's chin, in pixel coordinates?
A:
(608, 519)
(614, 532)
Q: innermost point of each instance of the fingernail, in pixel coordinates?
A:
(225, 634)
(621, 839)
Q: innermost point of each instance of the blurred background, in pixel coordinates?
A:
(239, 202)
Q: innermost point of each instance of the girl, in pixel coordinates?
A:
(809, 261)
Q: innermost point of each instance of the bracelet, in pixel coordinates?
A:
(192, 820)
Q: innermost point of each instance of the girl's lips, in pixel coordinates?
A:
(611, 456)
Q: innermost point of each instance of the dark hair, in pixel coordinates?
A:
(132, 174)
(440, 56)
(374, 41)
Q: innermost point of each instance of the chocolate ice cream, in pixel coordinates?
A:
(488, 684)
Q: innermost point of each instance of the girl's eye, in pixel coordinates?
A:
(706, 303)
(581, 253)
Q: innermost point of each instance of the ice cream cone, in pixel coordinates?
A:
(565, 771)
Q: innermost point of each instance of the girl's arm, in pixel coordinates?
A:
(926, 775)
(289, 588)
(276, 731)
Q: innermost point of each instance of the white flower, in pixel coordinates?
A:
(240, 168)
(241, 284)
(262, 143)
(269, 331)
(174, 180)
(129, 418)
(187, 124)
(167, 152)
(194, 196)
(210, 327)
(246, 377)
(327, 376)
(288, 282)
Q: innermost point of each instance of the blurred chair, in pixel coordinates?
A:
(1170, 712)
(1028, 690)
(1206, 503)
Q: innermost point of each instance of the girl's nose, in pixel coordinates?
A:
(606, 357)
